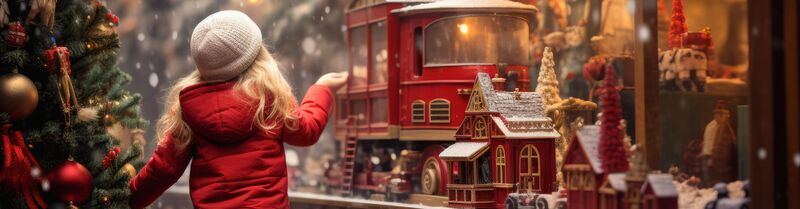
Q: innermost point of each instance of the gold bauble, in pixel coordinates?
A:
(128, 168)
(18, 96)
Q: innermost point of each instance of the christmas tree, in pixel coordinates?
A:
(548, 84)
(60, 91)
(612, 152)
(678, 25)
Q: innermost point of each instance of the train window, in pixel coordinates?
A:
(418, 51)
(342, 107)
(358, 56)
(378, 112)
(418, 112)
(477, 40)
(358, 109)
(380, 56)
(439, 111)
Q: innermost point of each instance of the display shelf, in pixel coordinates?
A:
(309, 200)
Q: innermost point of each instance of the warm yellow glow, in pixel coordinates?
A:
(254, 1)
(464, 28)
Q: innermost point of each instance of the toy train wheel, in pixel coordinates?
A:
(511, 203)
(541, 203)
(430, 176)
(561, 205)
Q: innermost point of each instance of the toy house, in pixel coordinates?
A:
(505, 144)
(612, 192)
(582, 170)
(658, 192)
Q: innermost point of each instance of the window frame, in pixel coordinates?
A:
(427, 26)
(415, 115)
(533, 153)
(431, 109)
(500, 164)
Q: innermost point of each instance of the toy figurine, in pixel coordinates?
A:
(682, 69)
(719, 147)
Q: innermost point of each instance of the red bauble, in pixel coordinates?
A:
(16, 35)
(70, 182)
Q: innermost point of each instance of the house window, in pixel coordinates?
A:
(529, 172)
(439, 111)
(573, 182)
(480, 128)
(501, 164)
(476, 103)
(588, 181)
(418, 111)
(380, 56)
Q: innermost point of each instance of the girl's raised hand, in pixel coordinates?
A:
(333, 80)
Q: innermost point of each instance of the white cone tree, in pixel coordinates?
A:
(548, 83)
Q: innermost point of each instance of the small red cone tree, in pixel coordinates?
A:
(678, 25)
(613, 157)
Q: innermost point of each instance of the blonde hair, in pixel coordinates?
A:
(262, 81)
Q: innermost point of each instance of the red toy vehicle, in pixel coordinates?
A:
(413, 65)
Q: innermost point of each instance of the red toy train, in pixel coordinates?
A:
(413, 67)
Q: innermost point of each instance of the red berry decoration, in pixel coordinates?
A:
(112, 18)
(112, 154)
(70, 182)
(16, 35)
(678, 25)
(593, 69)
(613, 157)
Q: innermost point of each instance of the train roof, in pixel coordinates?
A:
(428, 6)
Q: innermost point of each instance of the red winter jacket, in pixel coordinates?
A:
(234, 164)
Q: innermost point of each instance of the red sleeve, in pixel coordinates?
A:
(312, 117)
(163, 170)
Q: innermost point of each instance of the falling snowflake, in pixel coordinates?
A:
(153, 79)
(309, 45)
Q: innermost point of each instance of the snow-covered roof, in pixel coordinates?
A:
(464, 151)
(520, 114)
(617, 181)
(588, 137)
(542, 133)
(662, 185)
(513, 106)
(488, 5)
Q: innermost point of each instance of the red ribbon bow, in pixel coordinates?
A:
(18, 162)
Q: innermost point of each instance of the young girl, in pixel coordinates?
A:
(230, 118)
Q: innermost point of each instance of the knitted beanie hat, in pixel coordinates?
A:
(224, 45)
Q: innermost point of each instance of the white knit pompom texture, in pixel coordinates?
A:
(224, 45)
